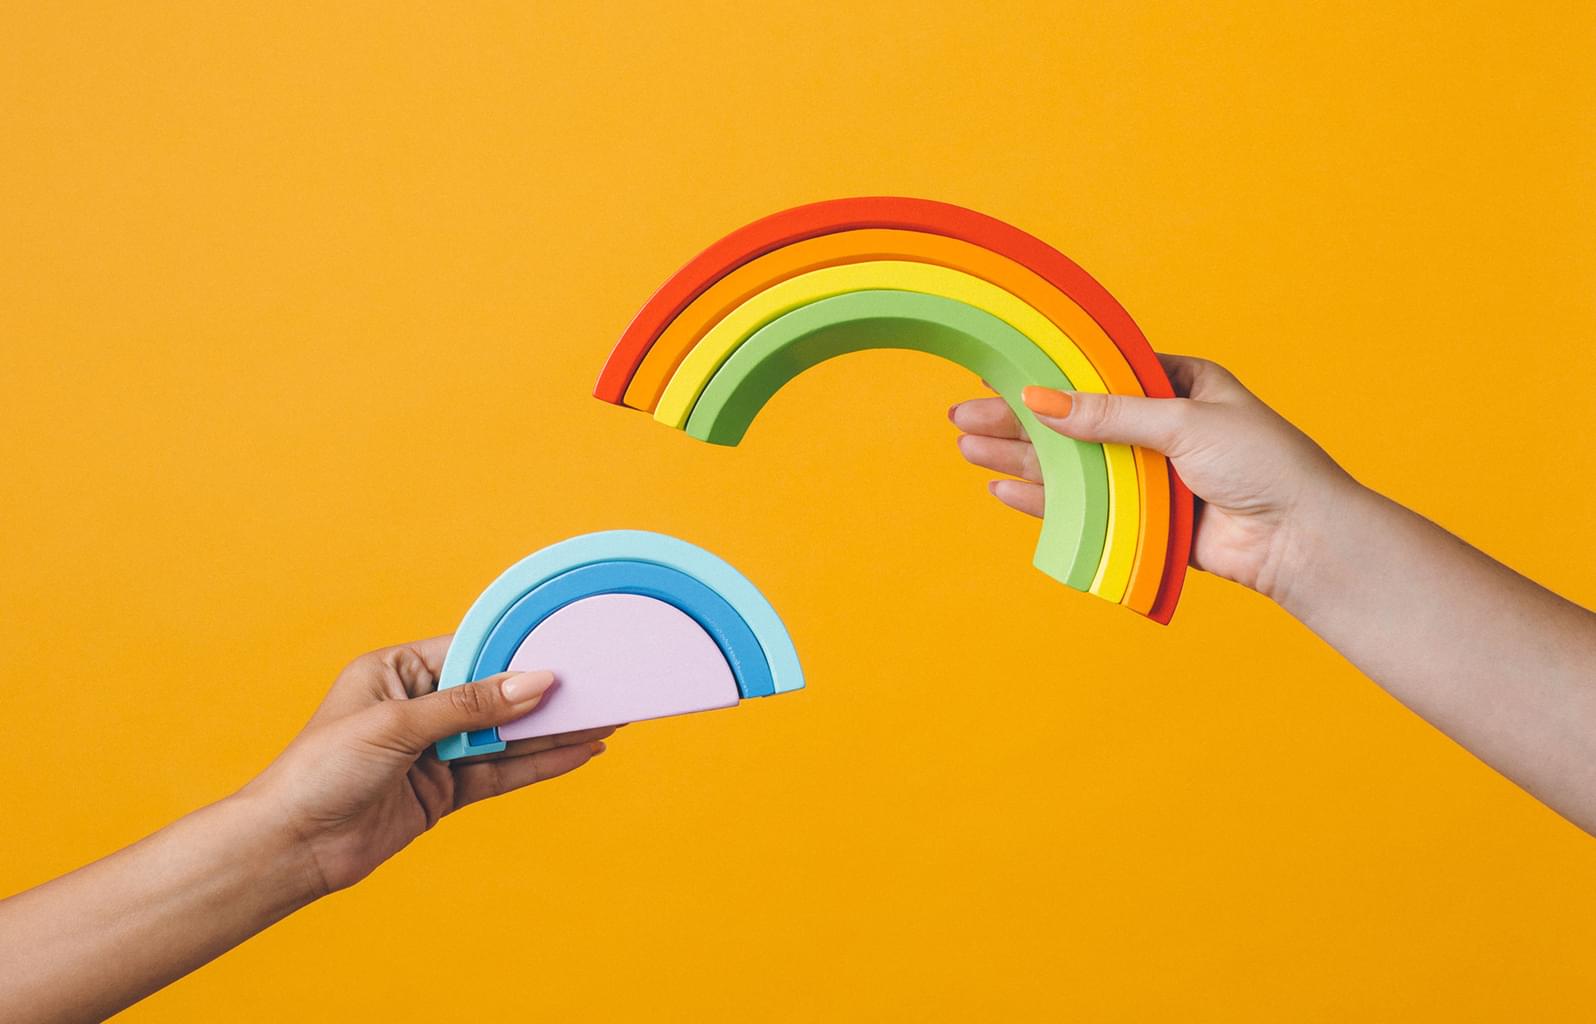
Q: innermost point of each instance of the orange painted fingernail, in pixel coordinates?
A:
(1047, 402)
(595, 748)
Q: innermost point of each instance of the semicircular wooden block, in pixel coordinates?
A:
(1124, 501)
(911, 214)
(619, 658)
(1075, 514)
(873, 244)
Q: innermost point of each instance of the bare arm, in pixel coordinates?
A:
(351, 791)
(1500, 664)
(87, 944)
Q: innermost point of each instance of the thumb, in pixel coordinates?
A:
(1161, 424)
(418, 723)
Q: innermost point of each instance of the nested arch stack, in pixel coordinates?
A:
(796, 288)
(633, 624)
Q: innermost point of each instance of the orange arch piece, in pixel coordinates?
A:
(871, 244)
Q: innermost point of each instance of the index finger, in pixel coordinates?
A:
(432, 651)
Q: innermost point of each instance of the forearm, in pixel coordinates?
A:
(83, 946)
(1500, 664)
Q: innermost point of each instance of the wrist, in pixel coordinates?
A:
(270, 852)
(1313, 546)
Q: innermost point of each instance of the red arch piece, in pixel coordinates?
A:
(832, 215)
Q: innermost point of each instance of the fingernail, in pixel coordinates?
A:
(991, 487)
(1047, 402)
(952, 409)
(595, 748)
(519, 689)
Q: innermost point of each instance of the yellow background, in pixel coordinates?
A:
(300, 307)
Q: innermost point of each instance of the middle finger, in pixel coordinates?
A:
(1016, 458)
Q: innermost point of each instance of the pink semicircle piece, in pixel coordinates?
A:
(620, 658)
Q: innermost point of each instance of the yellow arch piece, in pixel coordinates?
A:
(701, 362)
(864, 245)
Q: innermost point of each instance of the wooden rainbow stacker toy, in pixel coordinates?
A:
(633, 624)
(795, 289)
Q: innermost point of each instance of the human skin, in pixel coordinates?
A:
(1504, 666)
(353, 789)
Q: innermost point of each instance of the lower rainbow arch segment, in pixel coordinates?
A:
(923, 215)
(733, 617)
(1075, 515)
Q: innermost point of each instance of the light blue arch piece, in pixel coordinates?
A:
(613, 546)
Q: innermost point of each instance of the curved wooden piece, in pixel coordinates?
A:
(1075, 516)
(1123, 501)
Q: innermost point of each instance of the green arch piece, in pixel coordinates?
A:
(1075, 513)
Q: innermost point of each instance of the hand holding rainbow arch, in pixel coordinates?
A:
(801, 286)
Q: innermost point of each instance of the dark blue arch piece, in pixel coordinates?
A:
(714, 613)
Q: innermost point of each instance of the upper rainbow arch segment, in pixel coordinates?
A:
(722, 601)
(937, 218)
(877, 245)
